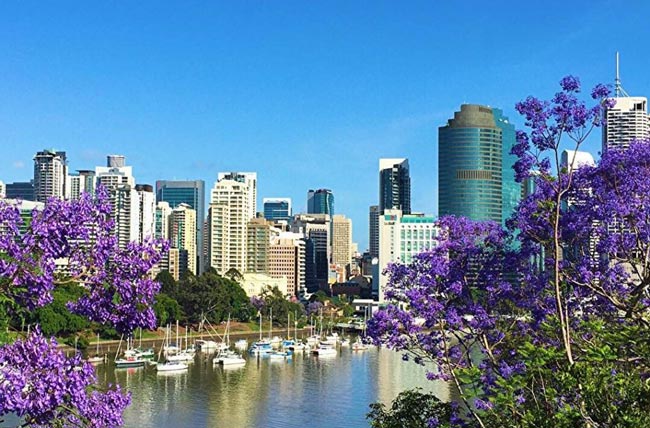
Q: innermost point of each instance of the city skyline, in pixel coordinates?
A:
(319, 115)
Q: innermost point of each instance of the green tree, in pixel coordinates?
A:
(167, 309)
(412, 409)
(56, 319)
(167, 282)
(276, 302)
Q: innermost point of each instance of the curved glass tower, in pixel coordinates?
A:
(475, 176)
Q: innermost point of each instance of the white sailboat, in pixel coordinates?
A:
(97, 359)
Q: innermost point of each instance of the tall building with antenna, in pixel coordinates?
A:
(627, 120)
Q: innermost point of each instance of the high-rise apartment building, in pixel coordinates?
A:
(258, 239)
(320, 201)
(182, 233)
(287, 260)
(341, 241)
(146, 211)
(189, 192)
(230, 211)
(125, 202)
(50, 172)
(161, 227)
(373, 231)
(81, 182)
(250, 180)
(475, 176)
(394, 185)
(277, 208)
(401, 237)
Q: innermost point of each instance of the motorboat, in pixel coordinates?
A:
(261, 347)
(324, 349)
(171, 366)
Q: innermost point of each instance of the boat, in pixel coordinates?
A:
(97, 359)
(171, 366)
(288, 344)
(228, 358)
(345, 343)
(279, 355)
(186, 355)
(207, 345)
(127, 362)
(299, 347)
(324, 349)
(261, 347)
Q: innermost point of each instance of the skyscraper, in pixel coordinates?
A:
(627, 120)
(373, 226)
(277, 208)
(146, 211)
(341, 241)
(50, 172)
(81, 182)
(474, 173)
(189, 192)
(250, 180)
(394, 185)
(401, 237)
(287, 260)
(229, 214)
(258, 238)
(316, 230)
(320, 201)
(182, 233)
(125, 202)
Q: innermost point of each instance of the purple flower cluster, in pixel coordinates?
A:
(40, 384)
(493, 307)
(37, 382)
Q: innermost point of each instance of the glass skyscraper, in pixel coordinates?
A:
(190, 192)
(277, 208)
(394, 185)
(320, 201)
(475, 175)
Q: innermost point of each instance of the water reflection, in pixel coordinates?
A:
(305, 391)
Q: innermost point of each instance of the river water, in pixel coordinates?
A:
(305, 392)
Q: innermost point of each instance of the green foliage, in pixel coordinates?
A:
(212, 296)
(167, 282)
(412, 409)
(167, 309)
(274, 300)
(55, 319)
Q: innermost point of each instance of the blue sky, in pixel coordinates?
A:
(307, 94)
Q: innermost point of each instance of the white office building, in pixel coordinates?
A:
(401, 237)
(625, 122)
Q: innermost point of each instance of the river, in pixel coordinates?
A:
(305, 392)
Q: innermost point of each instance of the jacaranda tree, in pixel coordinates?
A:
(38, 383)
(546, 323)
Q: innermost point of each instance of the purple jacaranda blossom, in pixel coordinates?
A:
(496, 309)
(37, 382)
(40, 384)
